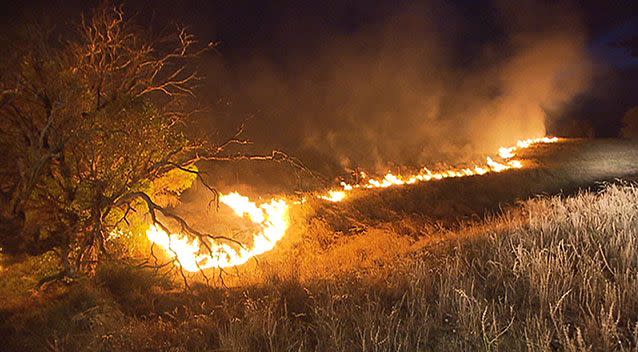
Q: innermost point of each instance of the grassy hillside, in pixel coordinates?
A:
(549, 274)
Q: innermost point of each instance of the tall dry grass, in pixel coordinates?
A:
(554, 274)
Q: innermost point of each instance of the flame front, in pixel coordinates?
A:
(272, 217)
(425, 175)
(334, 196)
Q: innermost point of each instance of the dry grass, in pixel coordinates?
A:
(552, 274)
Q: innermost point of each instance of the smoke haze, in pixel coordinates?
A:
(418, 85)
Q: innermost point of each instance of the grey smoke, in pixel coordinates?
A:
(410, 89)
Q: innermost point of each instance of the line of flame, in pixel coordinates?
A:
(271, 218)
(425, 175)
(273, 221)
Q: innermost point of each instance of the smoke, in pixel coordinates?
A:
(414, 85)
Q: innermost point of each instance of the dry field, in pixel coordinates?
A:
(481, 263)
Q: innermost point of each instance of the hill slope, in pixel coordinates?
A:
(390, 270)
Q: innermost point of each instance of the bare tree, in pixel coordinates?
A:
(87, 126)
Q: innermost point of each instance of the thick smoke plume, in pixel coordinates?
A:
(422, 84)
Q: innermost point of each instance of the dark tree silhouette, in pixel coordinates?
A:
(88, 126)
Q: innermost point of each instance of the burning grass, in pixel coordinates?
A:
(207, 252)
(552, 274)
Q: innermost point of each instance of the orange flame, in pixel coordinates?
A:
(272, 217)
(425, 175)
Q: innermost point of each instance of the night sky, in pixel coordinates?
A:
(303, 71)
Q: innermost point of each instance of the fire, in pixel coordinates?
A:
(509, 152)
(271, 218)
(506, 152)
(425, 175)
(334, 196)
(496, 166)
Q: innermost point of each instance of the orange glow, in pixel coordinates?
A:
(425, 175)
(271, 218)
(334, 196)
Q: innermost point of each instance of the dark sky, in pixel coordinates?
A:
(254, 26)
(408, 73)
